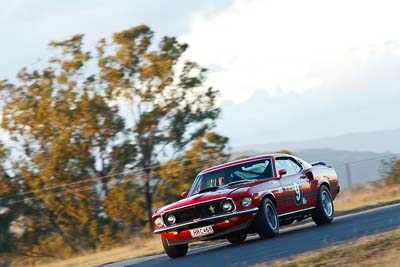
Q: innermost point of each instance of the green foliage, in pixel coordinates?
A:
(123, 205)
(7, 240)
(393, 176)
(178, 174)
(67, 132)
(169, 104)
(82, 176)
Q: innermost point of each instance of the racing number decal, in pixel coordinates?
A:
(298, 194)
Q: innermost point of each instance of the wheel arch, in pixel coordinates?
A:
(261, 224)
(324, 182)
(270, 196)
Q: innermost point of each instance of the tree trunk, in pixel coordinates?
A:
(57, 229)
(149, 197)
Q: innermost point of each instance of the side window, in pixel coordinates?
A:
(279, 164)
(295, 165)
(289, 165)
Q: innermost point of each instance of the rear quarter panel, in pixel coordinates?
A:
(328, 175)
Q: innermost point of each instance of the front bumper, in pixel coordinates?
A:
(219, 233)
(213, 219)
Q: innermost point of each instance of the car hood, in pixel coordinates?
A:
(206, 196)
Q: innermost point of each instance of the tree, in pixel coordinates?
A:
(6, 217)
(284, 151)
(67, 133)
(177, 174)
(83, 172)
(124, 205)
(169, 104)
(393, 175)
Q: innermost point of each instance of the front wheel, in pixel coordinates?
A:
(174, 251)
(267, 221)
(323, 213)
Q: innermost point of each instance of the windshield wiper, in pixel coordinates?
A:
(241, 181)
(211, 188)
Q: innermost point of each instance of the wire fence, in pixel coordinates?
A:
(90, 183)
(362, 171)
(351, 174)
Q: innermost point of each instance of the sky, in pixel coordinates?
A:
(286, 70)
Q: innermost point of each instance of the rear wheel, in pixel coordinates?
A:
(323, 214)
(174, 251)
(237, 238)
(267, 222)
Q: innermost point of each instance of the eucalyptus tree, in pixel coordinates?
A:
(169, 104)
(69, 142)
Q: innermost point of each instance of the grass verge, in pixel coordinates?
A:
(372, 195)
(137, 247)
(377, 250)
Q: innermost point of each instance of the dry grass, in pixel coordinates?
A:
(372, 195)
(138, 248)
(378, 250)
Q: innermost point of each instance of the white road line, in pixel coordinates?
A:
(251, 237)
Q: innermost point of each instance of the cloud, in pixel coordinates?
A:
(319, 67)
(366, 100)
(27, 26)
(291, 46)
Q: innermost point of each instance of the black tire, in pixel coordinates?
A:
(237, 238)
(267, 222)
(174, 251)
(324, 211)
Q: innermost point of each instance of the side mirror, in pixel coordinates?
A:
(184, 194)
(282, 172)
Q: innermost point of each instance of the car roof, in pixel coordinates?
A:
(244, 160)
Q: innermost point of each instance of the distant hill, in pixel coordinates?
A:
(379, 141)
(364, 166)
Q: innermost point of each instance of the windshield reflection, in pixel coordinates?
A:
(243, 172)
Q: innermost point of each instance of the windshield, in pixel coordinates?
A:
(243, 172)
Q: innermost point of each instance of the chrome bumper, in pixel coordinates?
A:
(212, 218)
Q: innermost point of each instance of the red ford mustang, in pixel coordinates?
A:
(252, 195)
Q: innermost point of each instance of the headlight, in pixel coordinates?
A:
(171, 219)
(227, 205)
(159, 222)
(246, 202)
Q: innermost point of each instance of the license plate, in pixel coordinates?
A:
(207, 230)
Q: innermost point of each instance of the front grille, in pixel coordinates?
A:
(198, 211)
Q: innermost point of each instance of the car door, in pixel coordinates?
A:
(294, 184)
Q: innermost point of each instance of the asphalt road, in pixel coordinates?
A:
(291, 241)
